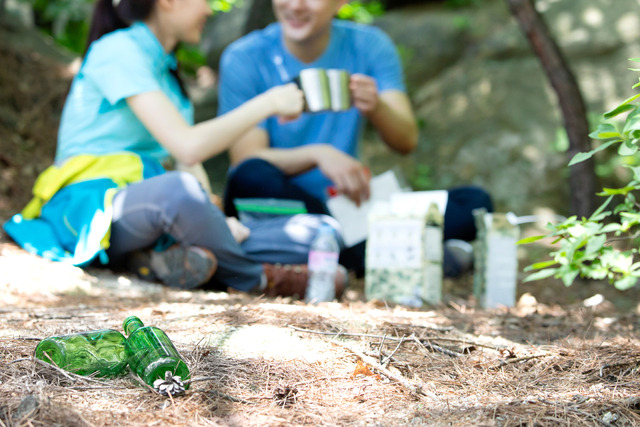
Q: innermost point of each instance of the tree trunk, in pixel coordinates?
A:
(582, 180)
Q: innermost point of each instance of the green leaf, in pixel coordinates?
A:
(569, 277)
(605, 131)
(618, 261)
(624, 107)
(557, 240)
(598, 273)
(581, 157)
(539, 265)
(595, 243)
(616, 191)
(636, 172)
(600, 216)
(625, 283)
(601, 208)
(620, 109)
(627, 149)
(631, 126)
(610, 228)
(531, 239)
(542, 274)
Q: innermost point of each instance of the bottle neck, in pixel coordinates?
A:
(326, 230)
(132, 324)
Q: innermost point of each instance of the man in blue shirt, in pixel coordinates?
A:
(303, 159)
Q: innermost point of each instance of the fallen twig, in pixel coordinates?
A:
(434, 347)
(19, 360)
(22, 339)
(519, 359)
(577, 411)
(611, 365)
(198, 379)
(69, 375)
(386, 337)
(414, 389)
(141, 382)
(228, 397)
(99, 388)
(388, 358)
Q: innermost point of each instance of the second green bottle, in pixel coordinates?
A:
(150, 353)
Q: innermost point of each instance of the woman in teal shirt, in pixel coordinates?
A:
(107, 196)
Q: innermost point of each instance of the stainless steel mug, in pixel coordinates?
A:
(315, 85)
(339, 89)
(325, 90)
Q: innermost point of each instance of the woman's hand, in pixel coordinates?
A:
(286, 100)
(238, 230)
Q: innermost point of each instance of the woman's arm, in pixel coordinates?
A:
(194, 144)
(198, 171)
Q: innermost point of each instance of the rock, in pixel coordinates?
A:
(225, 27)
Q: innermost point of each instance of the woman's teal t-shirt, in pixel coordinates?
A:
(96, 118)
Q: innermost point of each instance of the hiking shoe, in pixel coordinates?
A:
(177, 266)
(287, 280)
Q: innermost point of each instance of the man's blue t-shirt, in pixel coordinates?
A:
(96, 118)
(260, 60)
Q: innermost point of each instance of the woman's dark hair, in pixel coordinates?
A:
(107, 18)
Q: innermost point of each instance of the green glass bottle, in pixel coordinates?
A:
(85, 353)
(151, 353)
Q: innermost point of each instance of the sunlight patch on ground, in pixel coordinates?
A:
(271, 342)
(29, 274)
(301, 308)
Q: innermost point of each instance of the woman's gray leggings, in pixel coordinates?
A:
(175, 204)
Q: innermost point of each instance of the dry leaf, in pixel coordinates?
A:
(508, 353)
(363, 369)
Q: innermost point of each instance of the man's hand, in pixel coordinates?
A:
(349, 176)
(364, 93)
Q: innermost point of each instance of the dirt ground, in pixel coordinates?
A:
(562, 356)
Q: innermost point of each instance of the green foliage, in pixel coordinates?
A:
(223, 5)
(422, 179)
(462, 22)
(604, 245)
(461, 3)
(190, 58)
(361, 12)
(68, 22)
(65, 20)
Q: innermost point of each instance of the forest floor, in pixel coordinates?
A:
(561, 356)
